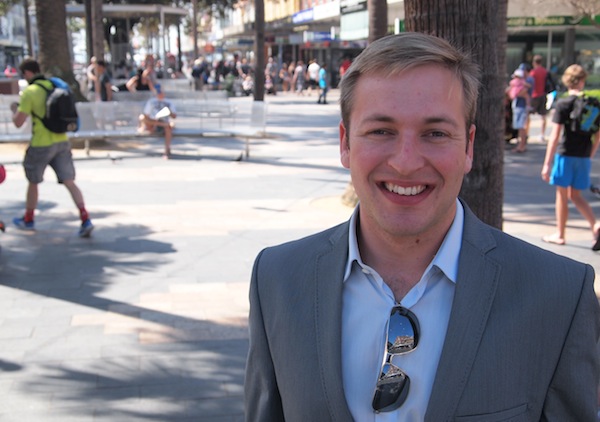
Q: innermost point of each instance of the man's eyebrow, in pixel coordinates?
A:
(441, 119)
(380, 118)
(384, 118)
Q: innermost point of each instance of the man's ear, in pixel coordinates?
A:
(470, 148)
(344, 146)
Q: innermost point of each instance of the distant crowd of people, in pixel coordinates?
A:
(238, 74)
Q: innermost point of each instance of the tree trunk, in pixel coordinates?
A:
(195, 27)
(475, 26)
(259, 52)
(378, 19)
(89, 44)
(28, 29)
(97, 30)
(54, 56)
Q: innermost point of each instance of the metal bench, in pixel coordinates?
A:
(120, 119)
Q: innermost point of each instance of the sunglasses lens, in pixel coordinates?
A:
(402, 334)
(392, 389)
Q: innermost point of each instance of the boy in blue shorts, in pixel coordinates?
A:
(567, 164)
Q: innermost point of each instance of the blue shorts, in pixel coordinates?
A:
(571, 171)
(519, 117)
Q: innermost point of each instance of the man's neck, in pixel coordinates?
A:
(400, 264)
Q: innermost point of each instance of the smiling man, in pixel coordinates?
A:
(415, 310)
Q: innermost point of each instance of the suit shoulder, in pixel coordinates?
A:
(312, 243)
(526, 257)
(301, 252)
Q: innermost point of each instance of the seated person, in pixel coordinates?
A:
(138, 82)
(269, 85)
(248, 85)
(157, 117)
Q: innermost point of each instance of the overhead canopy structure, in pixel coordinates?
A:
(128, 10)
(125, 11)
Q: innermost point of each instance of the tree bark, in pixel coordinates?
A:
(54, 55)
(195, 27)
(259, 52)
(97, 29)
(28, 28)
(378, 19)
(475, 26)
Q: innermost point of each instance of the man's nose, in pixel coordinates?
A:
(406, 153)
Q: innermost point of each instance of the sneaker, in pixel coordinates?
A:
(595, 189)
(24, 225)
(86, 228)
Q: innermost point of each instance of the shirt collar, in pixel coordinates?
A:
(446, 258)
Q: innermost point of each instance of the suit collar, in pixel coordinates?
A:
(473, 298)
(328, 320)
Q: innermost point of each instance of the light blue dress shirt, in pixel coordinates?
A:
(367, 302)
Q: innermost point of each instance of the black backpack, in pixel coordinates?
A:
(61, 114)
(549, 84)
(585, 115)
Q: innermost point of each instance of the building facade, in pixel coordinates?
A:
(329, 30)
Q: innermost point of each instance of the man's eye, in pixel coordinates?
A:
(380, 132)
(436, 133)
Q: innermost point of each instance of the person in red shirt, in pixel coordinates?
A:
(344, 66)
(538, 96)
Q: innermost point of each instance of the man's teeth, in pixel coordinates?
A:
(413, 190)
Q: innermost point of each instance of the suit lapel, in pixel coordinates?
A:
(473, 298)
(328, 321)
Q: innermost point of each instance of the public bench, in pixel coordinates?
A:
(120, 119)
(8, 131)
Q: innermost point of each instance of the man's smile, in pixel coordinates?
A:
(407, 191)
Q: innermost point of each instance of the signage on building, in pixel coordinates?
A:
(328, 10)
(315, 36)
(550, 21)
(303, 16)
(351, 6)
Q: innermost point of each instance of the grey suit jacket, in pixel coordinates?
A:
(520, 345)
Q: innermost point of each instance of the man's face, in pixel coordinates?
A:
(407, 151)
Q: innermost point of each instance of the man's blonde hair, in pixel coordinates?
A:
(573, 75)
(394, 54)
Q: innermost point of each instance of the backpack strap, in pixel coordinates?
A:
(572, 117)
(48, 90)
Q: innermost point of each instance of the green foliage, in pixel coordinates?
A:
(588, 92)
(593, 81)
(593, 93)
(219, 5)
(5, 6)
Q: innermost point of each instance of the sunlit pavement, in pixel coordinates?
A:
(147, 320)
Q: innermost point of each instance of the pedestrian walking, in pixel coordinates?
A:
(518, 92)
(299, 77)
(538, 94)
(568, 160)
(323, 84)
(313, 76)
(46, 148)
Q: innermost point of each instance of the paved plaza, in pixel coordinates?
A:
(147, 320)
